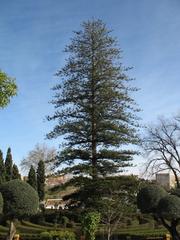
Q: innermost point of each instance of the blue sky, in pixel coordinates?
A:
(33, 35)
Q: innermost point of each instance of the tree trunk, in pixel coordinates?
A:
(176, 177)
(109, 233)
(171, 228)
(174, 233)
(93, 119)
(12, 231)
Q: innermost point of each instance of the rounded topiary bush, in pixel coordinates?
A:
(20, 199)
(169, 207)
(149, 197)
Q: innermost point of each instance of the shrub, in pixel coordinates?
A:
(46, 236)
(38, 218)
(61, 235)
(65, 235)
(71, 224)
(169, 207)
(65, 221)
(129, 222)
(90, 223)
(20, 199)
(149, 197)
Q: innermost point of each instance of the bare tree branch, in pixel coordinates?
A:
(40, 152)
(162, 145)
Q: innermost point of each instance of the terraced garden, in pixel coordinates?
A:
(28, 231)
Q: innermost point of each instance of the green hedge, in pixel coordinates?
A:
(63, 235)
(33, 225)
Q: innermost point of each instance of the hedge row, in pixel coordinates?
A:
(65, 235)
(33, 225)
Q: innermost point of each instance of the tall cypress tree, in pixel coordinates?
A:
(2, 168)
(41, 180)
(8, 165)
(32, 179)
(95, 112)
(15, 172)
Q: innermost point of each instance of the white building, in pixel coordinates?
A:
(54, 203)
(166, 180)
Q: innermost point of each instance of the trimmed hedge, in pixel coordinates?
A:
(63, 235)
(42, 227)
(20, 199)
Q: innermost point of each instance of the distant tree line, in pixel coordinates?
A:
(37, 179)
(10, 171)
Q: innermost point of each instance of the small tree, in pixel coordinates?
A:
(32, 179)
(8, 165)
(2, 168)
(90, 223)
(20, 200)
(164, 207)
(15, 172)
(41, 180)
(8, 89)
(116, 200)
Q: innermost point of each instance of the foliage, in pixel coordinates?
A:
(164, 207)
(8, 89)
(46, 236)
(20, 199)
(8, 165)
(48, 217)
(68, 235)
(175, 191)
(94, 110)
(41, 180)
(15, 172)
(32, 179)
(2, 168)
(1, 203)
(89, 194)
(117, 200)
(148, 198)
(40, 152)
(90, 223)
(169, 207)
(65, 221)
(113, 197)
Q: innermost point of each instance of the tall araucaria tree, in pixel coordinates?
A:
(32, 179)
(94, 110)
(41, 180)
(8, 165)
